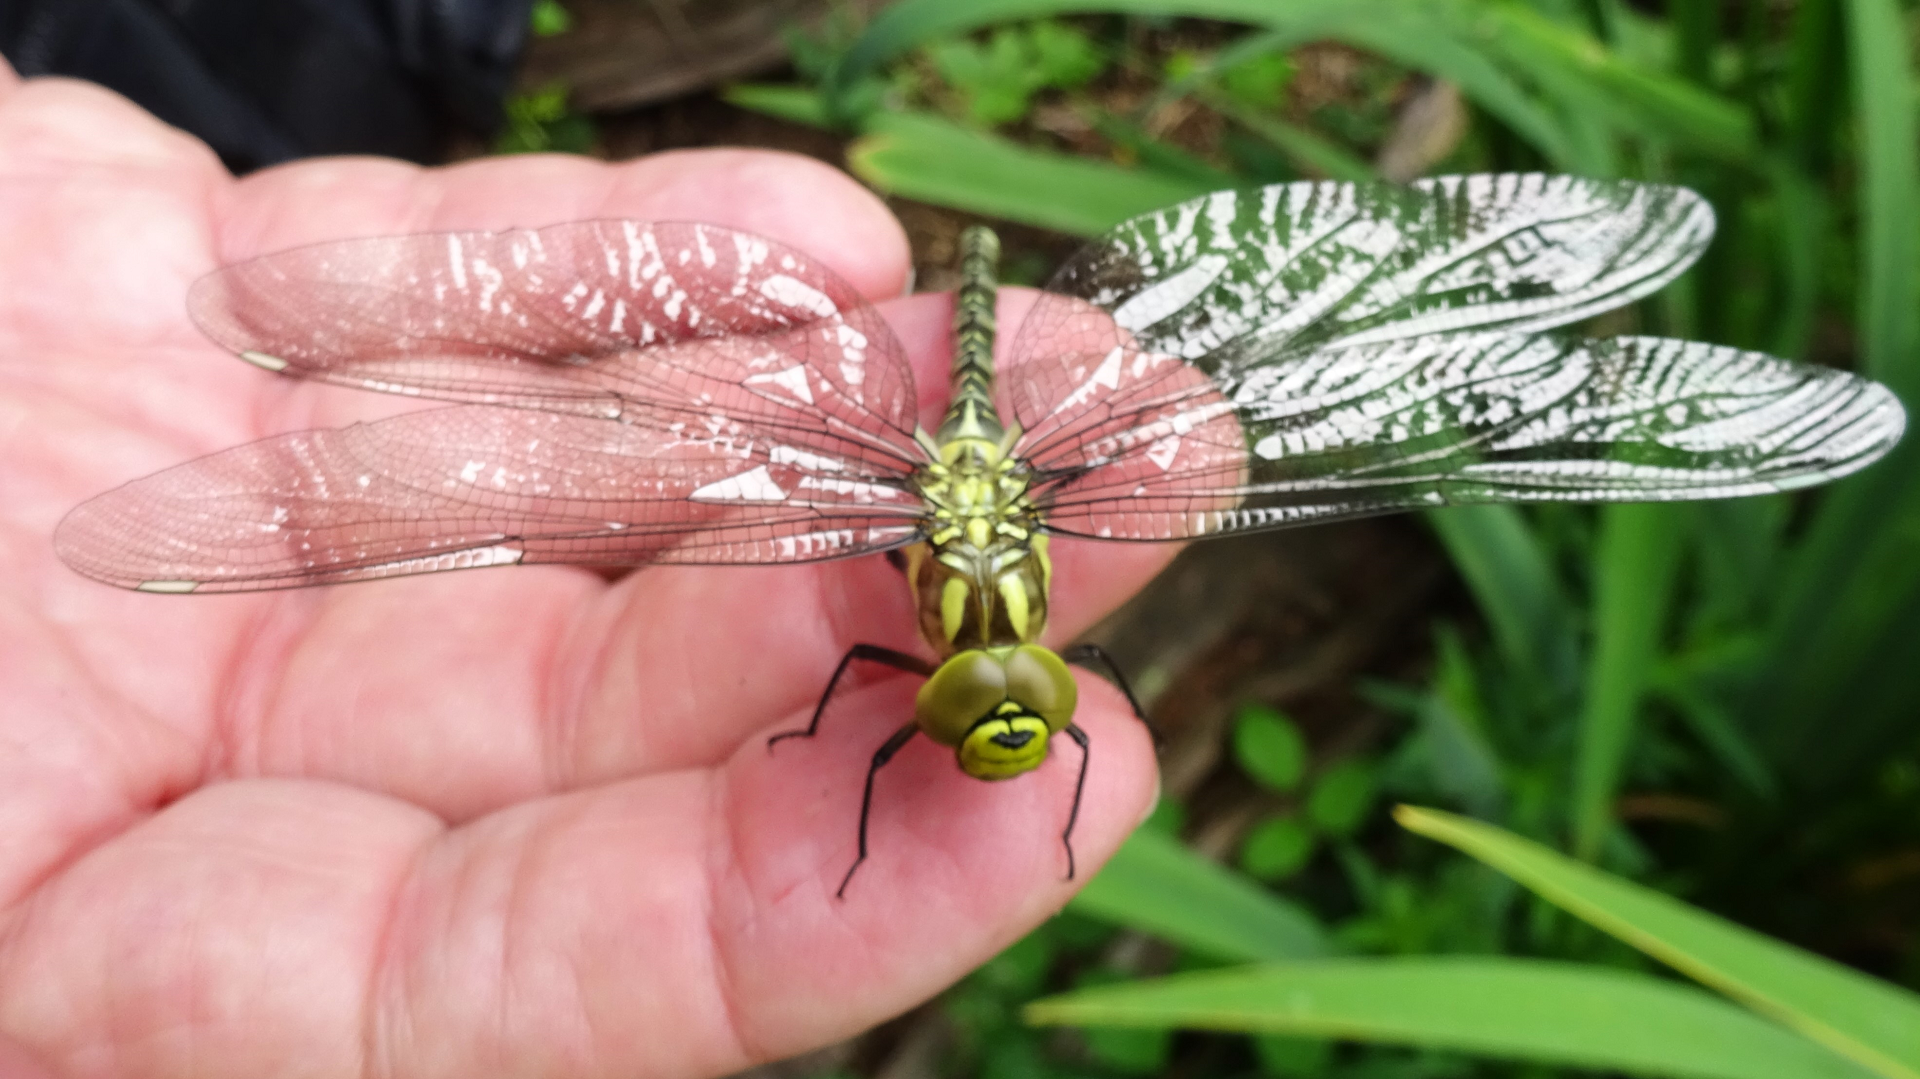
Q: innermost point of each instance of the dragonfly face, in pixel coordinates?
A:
(627, 393)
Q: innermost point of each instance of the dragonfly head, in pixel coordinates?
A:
(997, 708)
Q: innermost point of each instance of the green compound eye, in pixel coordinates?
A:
(1038, 681)
(964, 690)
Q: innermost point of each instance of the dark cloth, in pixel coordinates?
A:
(264, 81)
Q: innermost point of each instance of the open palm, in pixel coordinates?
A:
(516, 822)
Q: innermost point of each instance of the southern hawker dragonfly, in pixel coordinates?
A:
(632, 393)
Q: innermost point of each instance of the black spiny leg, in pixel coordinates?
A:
(1074, 732)
(880, 758)
(1086, 655)
(897, 660)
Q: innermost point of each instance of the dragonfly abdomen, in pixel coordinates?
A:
(970, 410)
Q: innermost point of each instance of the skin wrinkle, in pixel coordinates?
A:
(386, 970)
(725, 856)
(559, 709)
(135, 810)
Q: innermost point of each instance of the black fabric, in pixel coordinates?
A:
(264, 81)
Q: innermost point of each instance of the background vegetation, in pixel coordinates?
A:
(1645, 723)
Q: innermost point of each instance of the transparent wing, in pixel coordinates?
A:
(1235, 280)
(1349, 431)
(477, 485)
(648, 322)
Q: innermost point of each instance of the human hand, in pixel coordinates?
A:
(511, 822)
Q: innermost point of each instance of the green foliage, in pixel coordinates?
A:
(550, 19)
(1551, 1013)
(1277, 848)
(1713, 701)
(1258, 81)
(1269, 748)
(1155, 884)
(996, 79)
(1872, 1023)
(1342, 797)
(541, 122)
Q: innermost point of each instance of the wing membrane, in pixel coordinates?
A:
(1382, 426)
(477, 486)
(1233, 280)
(646, 322)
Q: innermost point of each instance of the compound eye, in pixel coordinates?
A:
(965, 688)
(1039, 682)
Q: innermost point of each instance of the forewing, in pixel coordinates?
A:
(478, 486)
(1456, 418)
(1233, 279)
(647, 322)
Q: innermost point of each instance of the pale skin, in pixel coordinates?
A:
(511, 822)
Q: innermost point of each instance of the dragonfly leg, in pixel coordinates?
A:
(897, 660)
(1086, 655)
(880, 758)
(1074, 732)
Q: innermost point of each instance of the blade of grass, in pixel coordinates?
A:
(1155, 885)
(1634, 561)
(1157, 155)
(1804, 218)
(796, 104)
(1517, 1009)
(1889, 192)
(1307, 150)
(1872, 1023)
(1816, 86)
(1517, 590)
(930, 159)
(1651, 103)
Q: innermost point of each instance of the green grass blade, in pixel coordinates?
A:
(1517, 1009)
(1816, 87)
(1650, 103)
(1307, 150)
(1155, 885)
(1517, 590)
(1872, 1023)
(930, 159)
(795, 104)
(1889, 192)
(1634, 561)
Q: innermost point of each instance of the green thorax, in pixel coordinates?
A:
(980, 579)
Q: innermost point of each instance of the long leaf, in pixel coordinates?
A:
(1516, 588)
(924, 157)
(1517, 1009)
(1649, 103)
(1634, 563)
(1157, 886)
(1889, 192)
(1872, 1023)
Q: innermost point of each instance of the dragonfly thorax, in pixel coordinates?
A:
(980, 578)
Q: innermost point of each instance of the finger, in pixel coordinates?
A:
(681, 924)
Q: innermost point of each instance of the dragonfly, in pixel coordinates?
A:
(627, 393)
